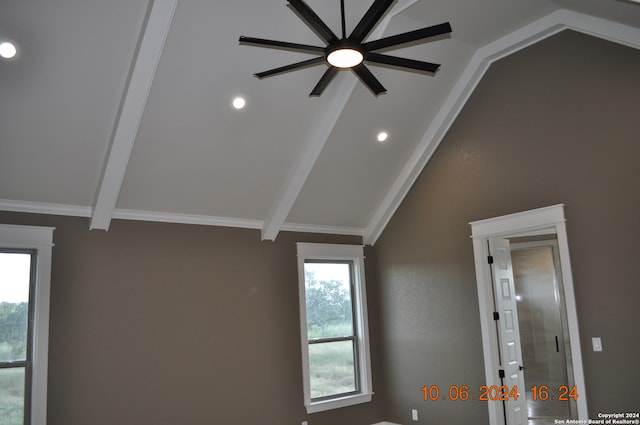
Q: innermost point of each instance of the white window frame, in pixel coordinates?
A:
(41, 240)
(337, 252)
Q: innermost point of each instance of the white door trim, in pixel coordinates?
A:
(548, 220)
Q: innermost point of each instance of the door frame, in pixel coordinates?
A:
(541, 221)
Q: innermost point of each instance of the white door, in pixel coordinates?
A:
(508, 332)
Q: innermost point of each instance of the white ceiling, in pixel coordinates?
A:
(122, 108)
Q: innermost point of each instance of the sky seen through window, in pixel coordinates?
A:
(14, 277)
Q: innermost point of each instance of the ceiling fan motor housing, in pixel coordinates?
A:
(350, 52)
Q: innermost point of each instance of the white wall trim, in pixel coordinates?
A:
(44, 208)
(519, 222)
(204, 220)
(132, 107)
(207, 220)
(475, 70)
(314, 228)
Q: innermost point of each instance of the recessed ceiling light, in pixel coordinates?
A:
(382, 136)
(7, 50)
(239, 102)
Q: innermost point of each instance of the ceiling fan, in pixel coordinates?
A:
(350, 52)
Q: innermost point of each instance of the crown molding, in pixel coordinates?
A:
(314, 228)
(203, 220)
(44, 208)
(162, 217)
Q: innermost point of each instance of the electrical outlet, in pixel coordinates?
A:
(414, 414)
(304, 423)
(597, 343)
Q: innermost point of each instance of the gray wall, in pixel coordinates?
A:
(556, 123)
(166, 324)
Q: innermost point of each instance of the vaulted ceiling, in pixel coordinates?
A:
(122, 108)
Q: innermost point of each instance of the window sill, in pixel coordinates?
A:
(337, 403)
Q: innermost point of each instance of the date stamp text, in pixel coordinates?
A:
(498, 393)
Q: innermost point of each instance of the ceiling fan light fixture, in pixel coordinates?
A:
(345, 57)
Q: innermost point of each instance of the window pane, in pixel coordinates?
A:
(328, 293)
(15, 269)
(332, 368)
(12, 396)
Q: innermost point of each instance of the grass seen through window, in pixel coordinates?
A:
(12, 396)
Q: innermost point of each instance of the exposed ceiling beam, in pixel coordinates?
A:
(144, 66)
(318, 136)
(297, 177)
(478, 65)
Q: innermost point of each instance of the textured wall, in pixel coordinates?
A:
(555, 123)
(166, 324)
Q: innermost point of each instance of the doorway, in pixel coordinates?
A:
(542, 319)
(563, 363)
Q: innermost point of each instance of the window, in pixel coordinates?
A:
(25, 268)
(333, 325)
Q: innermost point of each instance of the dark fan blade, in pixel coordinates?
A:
(368, 79)
(261, 42)
(370, 19)
(314, 21)
(291, 67)
(326, 78)
(401, 62)
(407, 37)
